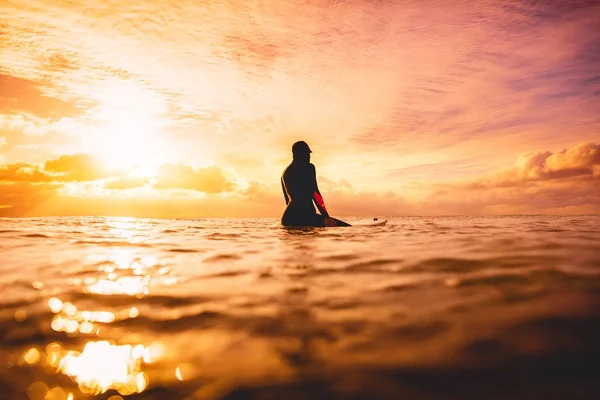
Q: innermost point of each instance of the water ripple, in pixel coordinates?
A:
(241, 309)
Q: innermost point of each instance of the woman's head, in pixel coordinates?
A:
(301, 151)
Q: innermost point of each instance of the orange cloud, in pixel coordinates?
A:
(258, 191)
(86, 168)
(67, 168)
(581, 161)
(20, 199)
(77, 167)
(125, 182)
(566, 181)
(19, 95)
(23, 172)
(180, 176)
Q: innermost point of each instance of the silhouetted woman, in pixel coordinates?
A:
(299, 185)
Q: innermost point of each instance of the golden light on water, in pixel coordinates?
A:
(134, 312)
(53, 354)
(20, 315)
(56, 393)
(32, 356)
(102, 366)
(98, 316)
(86, 327)
(71, 320)
(40, 391)
(129, 285)
(125, 271)
(69, 309)
(37, 391)
(55, 305)
(71, 326)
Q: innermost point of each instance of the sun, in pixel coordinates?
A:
(127, 128)
(130, 140)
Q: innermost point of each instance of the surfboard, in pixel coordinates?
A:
(377, 221)
(371, 222)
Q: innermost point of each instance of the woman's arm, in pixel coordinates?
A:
(317, 197)
(285, 195)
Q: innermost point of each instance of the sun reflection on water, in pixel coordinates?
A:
(102, 366)
(69, 319)
(126, 272)
(129, 285)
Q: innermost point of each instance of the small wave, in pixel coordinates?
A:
(497, 280)
(224, 274)
(340, 257)
(108, 243)
(421, 331)
(297, 289)
(398, 287)
(338, 304)
(442, 264)
(191, 322)
(222, 257)
(183, 250)
(35, 235)
(373, 265)
(152, 300)
(223, 236)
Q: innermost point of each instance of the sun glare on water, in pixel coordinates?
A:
(102, 366)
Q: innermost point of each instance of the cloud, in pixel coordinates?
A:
(180, 176)
(23, 172)
(20, 199)
(87, 168)
(582, 156)
(3, 141)
(27, 126)
(580, 161)
(77, 167)
(19, 95)
(126, 182)
(566, 181)
(258, 191)
(414, 77)
(375, 82)
(67, 168)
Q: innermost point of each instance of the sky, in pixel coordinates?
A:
(189, 109)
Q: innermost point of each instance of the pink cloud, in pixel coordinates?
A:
(579, 161)
(565, 181)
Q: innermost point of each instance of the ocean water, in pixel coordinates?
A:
(422, 308)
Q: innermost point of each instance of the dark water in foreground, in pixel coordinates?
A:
(423, 308)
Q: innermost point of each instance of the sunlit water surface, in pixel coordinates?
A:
(423, 308)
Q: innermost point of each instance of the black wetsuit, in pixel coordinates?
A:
(299, 184)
